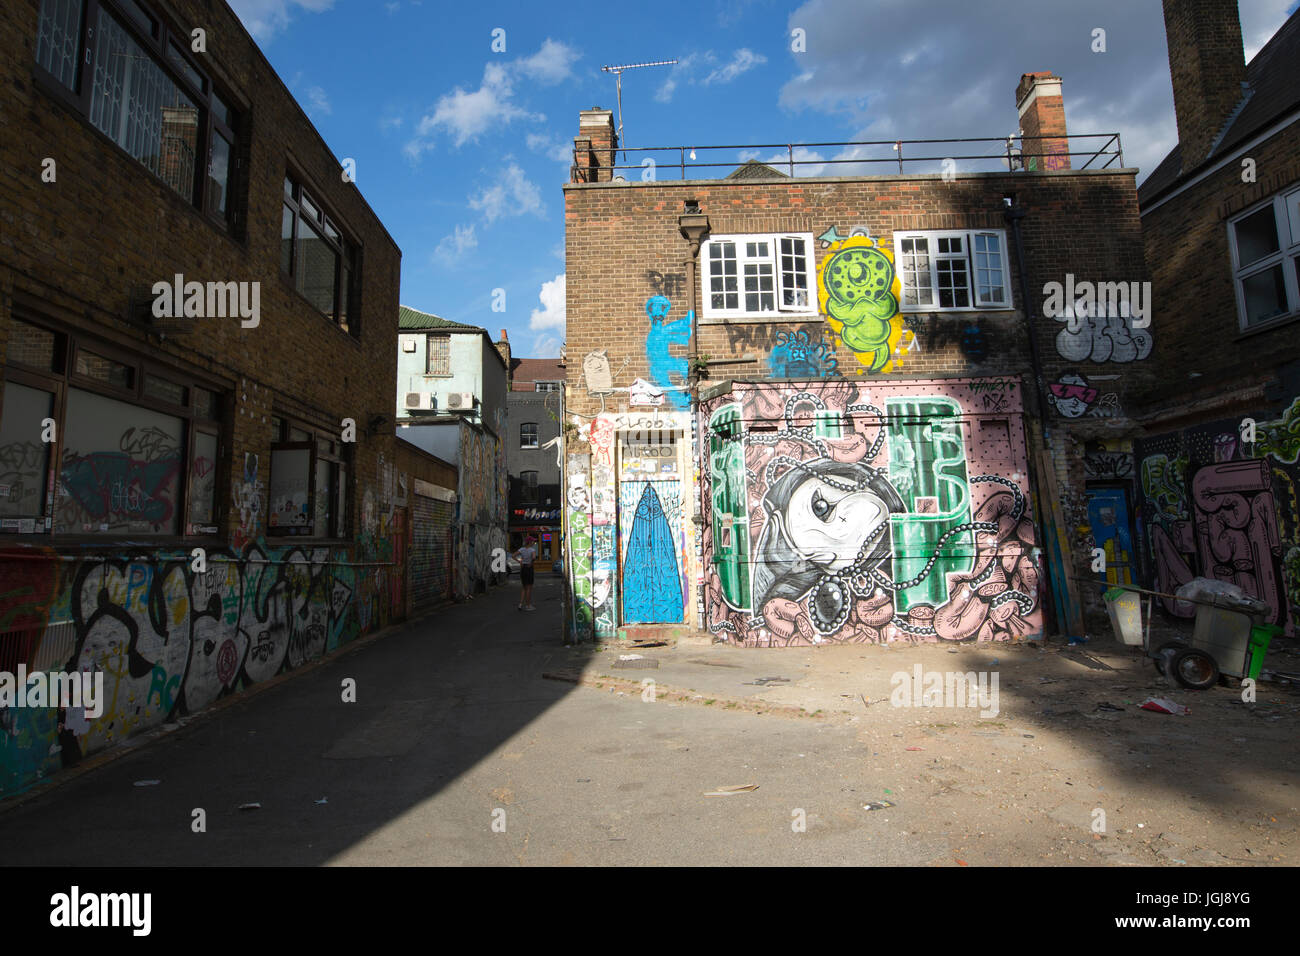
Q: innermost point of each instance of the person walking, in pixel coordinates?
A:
(525, 556)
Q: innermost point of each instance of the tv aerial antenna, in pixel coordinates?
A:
(618, 75)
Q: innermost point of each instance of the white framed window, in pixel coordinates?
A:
(755, 275)
(546, 386)
(953, 271)
(1265, 246)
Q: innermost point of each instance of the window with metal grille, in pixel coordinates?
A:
(438, 360)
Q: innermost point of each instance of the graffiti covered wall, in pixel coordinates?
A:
(630, 529)
(171, 640)
(482, 502)
(667, 370)
(1218, 506)
(858, 292)
(841, 512)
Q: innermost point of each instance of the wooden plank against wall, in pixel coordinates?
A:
(1069, 610)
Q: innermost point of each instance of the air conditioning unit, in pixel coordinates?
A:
(461, 401)
(421, 401)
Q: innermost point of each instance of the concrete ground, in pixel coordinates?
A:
(477, 738)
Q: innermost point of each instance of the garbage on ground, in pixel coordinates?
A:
(250, 806)
(631, 657)
(877, 805)
(322, 800)
(1221, 593)
(731, 791)
(147, 783)
(915, 748)
(1163, 705)
(1106, 705)
(764, 681)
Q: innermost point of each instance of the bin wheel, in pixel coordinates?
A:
(1165, 652)
(1194, 668)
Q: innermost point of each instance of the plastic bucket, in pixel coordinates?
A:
(1261, 635)
(1125, 609)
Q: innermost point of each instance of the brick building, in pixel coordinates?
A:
(1217, 465)
(533, 455)
(451, 402)
(843, 407)
(199, 482)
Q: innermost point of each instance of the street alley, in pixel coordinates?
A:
(458, 751)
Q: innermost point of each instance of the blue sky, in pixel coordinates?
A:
(462, 151)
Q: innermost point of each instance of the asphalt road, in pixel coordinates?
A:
(458, 751)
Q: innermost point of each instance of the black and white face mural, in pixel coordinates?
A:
(827, 529)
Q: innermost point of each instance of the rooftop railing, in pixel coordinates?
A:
(942, 156)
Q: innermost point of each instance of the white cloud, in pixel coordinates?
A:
(551, 64)
(552, 313)
(465, 115)
(546, 346)
(452, 247)
(742, 61)
(808, 162)
(513, 194)
(265, 18)
(1259, 21)
(682, 72)
(551, 148)
(318, 103)
(390, 122)
(950, 87)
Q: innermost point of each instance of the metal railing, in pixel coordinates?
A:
(1004, 154)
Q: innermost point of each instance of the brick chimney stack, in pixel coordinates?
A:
(1042, 113)
(1208, 69)
(594, 147)
(503, 347)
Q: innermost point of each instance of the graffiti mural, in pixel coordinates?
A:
(1074, 397)
(795, 354)
(858, 289)
(1222, 508)
(248, 503)
(610, 518)
(668, 371)
(481, 505)
(895, 512)
(131, 489)
(171, 640)
(1102, 338)
(650, 525)
(580, 545)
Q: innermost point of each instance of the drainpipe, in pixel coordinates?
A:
(694, 226)
(1013, 214)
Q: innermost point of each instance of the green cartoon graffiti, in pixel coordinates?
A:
(1281, 439)
(859, 297)
(1292, 566)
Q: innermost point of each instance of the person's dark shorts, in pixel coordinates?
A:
(526, 574)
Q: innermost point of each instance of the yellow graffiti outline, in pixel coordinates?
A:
(895, 321)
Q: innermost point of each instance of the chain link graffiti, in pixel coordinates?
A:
(864, 518)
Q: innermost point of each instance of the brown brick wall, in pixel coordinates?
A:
(1207, 67)
(623, 245)
(74, 249)
(1204, 351)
